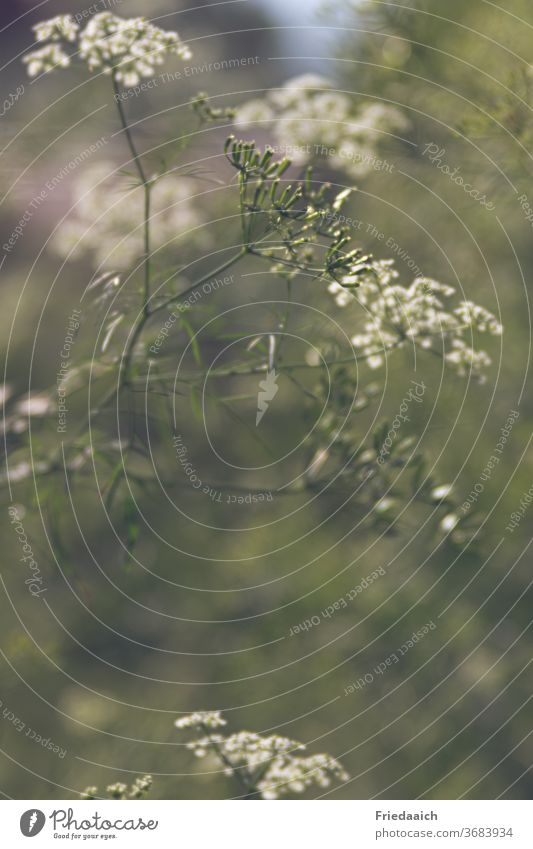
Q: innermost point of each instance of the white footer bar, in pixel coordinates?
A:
(269, 825)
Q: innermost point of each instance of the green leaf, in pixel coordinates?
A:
(195, 347)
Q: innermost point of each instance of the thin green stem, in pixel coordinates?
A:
(284, 323)
(130, 348)
(147, 247)
(147, 188)
(242, 200)
(127, 132)
(239, 372)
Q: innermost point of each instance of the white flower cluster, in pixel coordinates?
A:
(140, 787)
(310, 120)
(107, 221)
(62, 27)
(131, 47)
(268, 766)
(397, 315)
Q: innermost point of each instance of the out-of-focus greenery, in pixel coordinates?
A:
(119, 649)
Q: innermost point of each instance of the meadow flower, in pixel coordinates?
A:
(117, 790)
(128, 47)
(449, 523)
(478, 318)
(267, 765)
(441, 492)
(397, 315)
(292, 91)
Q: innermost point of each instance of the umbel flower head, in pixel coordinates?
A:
(397, 315)
(265, 766)
(128, 47)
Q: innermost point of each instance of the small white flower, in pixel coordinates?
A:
(55, 29)
(384, 505)
(449, 523)
(478, 318)
(46, 59)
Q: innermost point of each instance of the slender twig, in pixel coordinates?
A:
(237, 372)
(147, 189)
(225, 265)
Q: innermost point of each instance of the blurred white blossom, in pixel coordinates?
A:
(309, 119)
(6, 391)
(34, 405)
(107, 220)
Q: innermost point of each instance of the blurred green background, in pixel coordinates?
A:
(118, 650)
